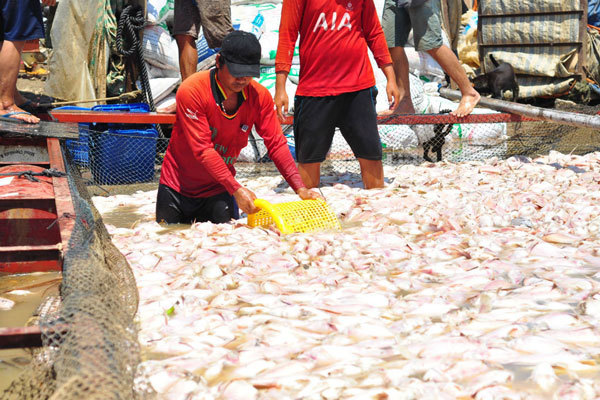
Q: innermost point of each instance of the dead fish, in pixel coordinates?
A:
(521, 222)
(544, 377)
(6, 304)
(561, 238)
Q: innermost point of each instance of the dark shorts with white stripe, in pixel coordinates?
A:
(316, 118)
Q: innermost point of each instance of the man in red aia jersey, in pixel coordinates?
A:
(336, 86)
(216, 111)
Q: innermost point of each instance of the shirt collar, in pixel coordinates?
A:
(219, 94)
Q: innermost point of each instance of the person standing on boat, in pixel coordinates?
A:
(337, 85)
(426, 23)
(20, 21)
(213, 16)
(216, 111)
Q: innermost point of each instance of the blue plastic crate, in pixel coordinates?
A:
(122, 156)
(78, 148)
(131, 107)
(291, 144)
(122, 153)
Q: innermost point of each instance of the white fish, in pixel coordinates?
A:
(6, 304)
(19, 292)
(239, 390)
(544, 377)
(164, 380)
(491, 378)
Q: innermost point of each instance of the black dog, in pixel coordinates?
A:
(497, 80)
(436, 142)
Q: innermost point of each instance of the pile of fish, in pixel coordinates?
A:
(472, 280)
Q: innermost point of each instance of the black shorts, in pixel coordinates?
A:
(315, 120)
(174, 208)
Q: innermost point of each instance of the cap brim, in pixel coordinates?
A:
(242, 70)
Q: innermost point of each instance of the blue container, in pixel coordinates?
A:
(291, 144)
(131, 107)
(122, 153)
(78, 148)
(122, 156)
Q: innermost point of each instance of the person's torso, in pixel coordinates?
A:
(333, 48)
(229, 135)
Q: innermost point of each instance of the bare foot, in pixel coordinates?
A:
(405, 106)
(467, 104)
(170, 109)
(17, 113)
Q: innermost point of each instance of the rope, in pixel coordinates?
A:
(128, 44)
(123, 96)
(31, 176)
(64, 215)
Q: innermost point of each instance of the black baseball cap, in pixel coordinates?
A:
(241, 52)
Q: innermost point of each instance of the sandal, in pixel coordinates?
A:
(10, 116)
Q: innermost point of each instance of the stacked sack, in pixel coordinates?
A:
(160, 50)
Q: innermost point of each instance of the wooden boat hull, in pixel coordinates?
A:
(36, 215)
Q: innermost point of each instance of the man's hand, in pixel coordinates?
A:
(245, 200)
(308, 194)
(170, 109)
(391, 88)
(281, 98)
(49, 2)
(281, 104)
(393, 93)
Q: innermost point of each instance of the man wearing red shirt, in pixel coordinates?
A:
(336, 85)
(216, 111)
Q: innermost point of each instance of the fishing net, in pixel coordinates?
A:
(128, 158)
(90, 348)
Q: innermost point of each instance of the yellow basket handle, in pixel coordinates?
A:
(268, 207)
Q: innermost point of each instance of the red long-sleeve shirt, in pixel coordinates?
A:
(334, 35)
(206, 142)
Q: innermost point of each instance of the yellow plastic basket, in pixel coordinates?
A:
(295, 216)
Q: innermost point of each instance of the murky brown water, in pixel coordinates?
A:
(35, 287)
(123, 217)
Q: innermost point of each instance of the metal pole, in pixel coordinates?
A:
(560, 117)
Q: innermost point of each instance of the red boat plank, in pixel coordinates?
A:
(27, 267)
(23, 188)
(112, 117)
(9, 249)
(14, 338)
(32, 46)
(26, 259)
(15, 195)
(28, 336)
(45, 164)
(19, 225)
(406, 119)
(40, 204)
(65, 210)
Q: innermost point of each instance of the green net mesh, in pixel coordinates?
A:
(90, 348)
